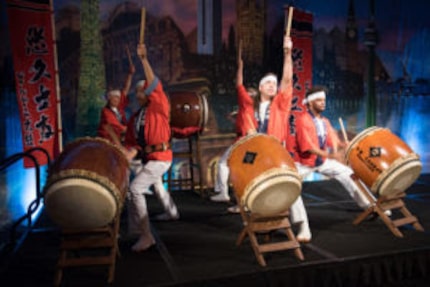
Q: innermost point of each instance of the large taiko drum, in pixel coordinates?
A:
(188, 112)
(87, 184)
(383, 161)
(263, 175)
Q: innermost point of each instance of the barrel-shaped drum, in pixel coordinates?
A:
(385, 163)
(188, 112)
(87, 184)
(263, 175)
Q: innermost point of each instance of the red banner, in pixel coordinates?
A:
(30, 29)
(301, 34)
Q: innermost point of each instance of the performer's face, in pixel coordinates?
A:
(141, 98)
(318, 105)
(268, 89)
(114, 101)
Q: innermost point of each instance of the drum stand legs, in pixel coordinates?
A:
(101, 244)
(257, 225)
(194, 161)
(384, 203)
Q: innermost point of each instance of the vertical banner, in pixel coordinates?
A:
(32, 45)
(301, 34)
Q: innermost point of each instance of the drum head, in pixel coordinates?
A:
(273, 194)
(400, 178)
(79, 203)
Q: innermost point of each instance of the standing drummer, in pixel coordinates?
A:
(147, 139)
(317, 146)
(268, 113)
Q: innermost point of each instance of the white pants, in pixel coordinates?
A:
(342, 173)
(150, 174)
(223, 172)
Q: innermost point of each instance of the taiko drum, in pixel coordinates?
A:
(188, 109)
(263, 175)
(385, 163)
(87, 184)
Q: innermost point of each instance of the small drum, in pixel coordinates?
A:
(383, 161)
(263, 175)
(188, 112)
(87, 184)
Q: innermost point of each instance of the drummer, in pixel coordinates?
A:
(267, 113)
(113, 122)
(318, 147)
(147, 139)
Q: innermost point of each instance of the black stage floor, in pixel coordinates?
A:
(199, 249)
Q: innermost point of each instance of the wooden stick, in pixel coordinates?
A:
(345, 137)
(289, 20)
(108, 128)
(142, 26)
(128, 55)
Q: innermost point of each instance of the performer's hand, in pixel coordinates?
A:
(339, 156)
(130, 153)
(131, 69)
(251, 132)
(288, 43)
(141, 51)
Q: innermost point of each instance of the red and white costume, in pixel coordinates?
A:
(115, 118)
(307, 138)
(149, 127)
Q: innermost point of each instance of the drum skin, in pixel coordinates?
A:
(87, 184)
(263, 175)
(385, 163)
(188, 109)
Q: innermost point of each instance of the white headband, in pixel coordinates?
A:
(140, 84)
(314, 96)
(113, 93)
(269, 78)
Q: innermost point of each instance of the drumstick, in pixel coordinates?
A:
(345, 137)
(142, 25)
(289, 20)
(128, 55)
(108, 128)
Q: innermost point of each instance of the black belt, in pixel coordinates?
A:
(157, 147)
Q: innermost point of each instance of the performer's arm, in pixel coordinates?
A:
(239, 73)
(147, 69)
(287, 70)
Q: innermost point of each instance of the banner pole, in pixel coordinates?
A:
(57, 81)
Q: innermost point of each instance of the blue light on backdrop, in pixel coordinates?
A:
(20, 183)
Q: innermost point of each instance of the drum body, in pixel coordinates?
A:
(263, 175)
(188, 110)
(383, 161)
(87, 184)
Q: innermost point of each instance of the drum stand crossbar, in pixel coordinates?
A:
(384, 203)
(257, 225)
(94, 247)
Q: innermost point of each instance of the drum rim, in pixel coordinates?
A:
(87, 175)
(251, 189)
(383, 178)
(204, 119)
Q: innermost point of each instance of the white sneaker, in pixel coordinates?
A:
(234, 209)
(304, 235)
(220, 198)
